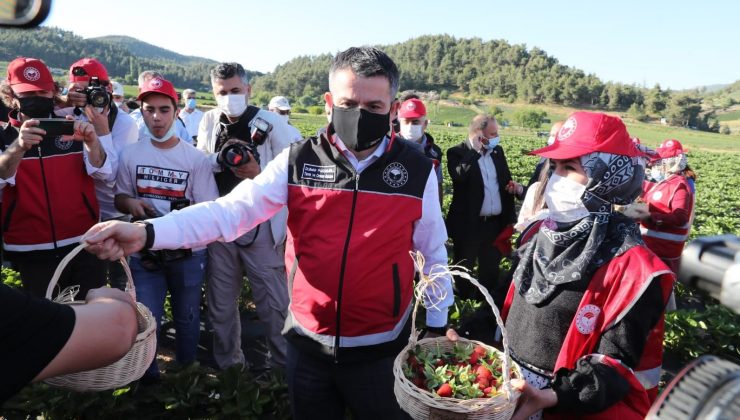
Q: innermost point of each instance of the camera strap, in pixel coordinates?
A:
(112, 114)
(238, 129)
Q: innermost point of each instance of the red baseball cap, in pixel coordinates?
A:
(412, 108)
(29, 74)
(587, 132)
(669, 148)
(158, 85)
(82, 70)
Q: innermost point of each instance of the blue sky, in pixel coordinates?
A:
(679, 44)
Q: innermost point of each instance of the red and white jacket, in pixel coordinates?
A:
(671, 206)
(613, 291)
(50, 202)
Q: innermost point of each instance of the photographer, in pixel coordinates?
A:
(260, 252)
(49, 195)
(157, 176)
(90, 98)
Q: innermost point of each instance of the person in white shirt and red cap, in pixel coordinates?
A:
(585, 311)
(281, 106)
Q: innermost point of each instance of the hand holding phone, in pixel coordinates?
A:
(56, 126)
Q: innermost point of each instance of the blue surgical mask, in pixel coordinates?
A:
(492, 142)
(190, 103)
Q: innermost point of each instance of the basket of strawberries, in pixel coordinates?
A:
(465, 379)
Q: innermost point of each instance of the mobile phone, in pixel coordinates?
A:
(56, 126)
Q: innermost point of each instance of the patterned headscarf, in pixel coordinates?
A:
(564, 253)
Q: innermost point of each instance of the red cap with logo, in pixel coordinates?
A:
(412, 108)
(669, 148)
(82, 70)
(588, 132)
(29, 74)
(158, 85)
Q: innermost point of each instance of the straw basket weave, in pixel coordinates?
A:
(127, 369)
(424, 405)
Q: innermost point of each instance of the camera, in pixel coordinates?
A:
(709, 387)
(96, 94)
(236, 153)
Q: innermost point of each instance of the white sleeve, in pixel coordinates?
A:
(280, 137)
(205, 133)
(106, 171)
(429, 237)
(250, 203)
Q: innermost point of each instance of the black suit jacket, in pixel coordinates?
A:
(463, 218)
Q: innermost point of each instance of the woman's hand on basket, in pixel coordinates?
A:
(113, 240)
(532, 399)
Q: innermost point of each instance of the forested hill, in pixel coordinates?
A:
(443, 62)
(124, 57)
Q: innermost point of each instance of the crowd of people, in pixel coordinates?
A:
(322, 228)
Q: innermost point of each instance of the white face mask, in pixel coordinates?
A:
(412, 132)
(550, 140)
(168, 135)
(563, 198)
(232, 105)
(118, 104)
(656, 174)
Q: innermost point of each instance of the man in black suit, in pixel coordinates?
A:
(482, 203)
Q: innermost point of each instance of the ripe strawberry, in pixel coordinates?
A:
(445, 390)
(483, 372)
(481, 351)
(419, 382)
(483, 382)
(473, 358)
(488, 391)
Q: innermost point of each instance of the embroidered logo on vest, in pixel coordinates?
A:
(395, 175)
(586, 319)
(319, 173)
(62, 144)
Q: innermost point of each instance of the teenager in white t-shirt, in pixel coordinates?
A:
(156, 176)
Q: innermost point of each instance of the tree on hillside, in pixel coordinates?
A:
(656, 100)
(683, 110)
(529, 118)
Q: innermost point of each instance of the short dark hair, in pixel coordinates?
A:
(225, 71)
(408, 94)
(367, 62)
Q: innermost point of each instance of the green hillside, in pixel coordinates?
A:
(145, 50)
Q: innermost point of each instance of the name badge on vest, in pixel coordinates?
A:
(319, 173)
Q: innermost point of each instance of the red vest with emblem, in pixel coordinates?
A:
(349, 237)
(612, 292)
(666, 240)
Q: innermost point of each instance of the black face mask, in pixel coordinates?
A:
(36, 106)
(359, 129)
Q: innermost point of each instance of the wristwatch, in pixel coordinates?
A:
(149, 234)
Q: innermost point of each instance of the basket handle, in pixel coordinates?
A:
(505, 340)
(67, 258)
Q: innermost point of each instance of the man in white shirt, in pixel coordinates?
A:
(110, 123)
(281, 106)
(190, 114)
(358, 202)
(259, 253)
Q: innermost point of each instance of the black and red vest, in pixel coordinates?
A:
(347, 253)
(53, 202)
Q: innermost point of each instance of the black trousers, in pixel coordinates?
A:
(481, 251)
(322, 390)
(84, 270)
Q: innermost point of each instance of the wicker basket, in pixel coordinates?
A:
(422, 404)
(127, 369)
